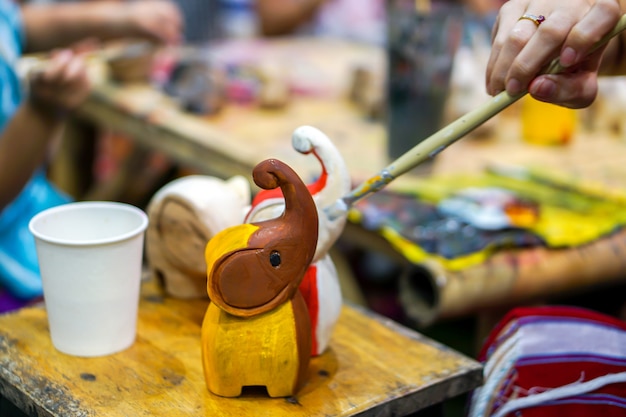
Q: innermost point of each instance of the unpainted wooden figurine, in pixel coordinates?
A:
(256, 331)
(184, 214)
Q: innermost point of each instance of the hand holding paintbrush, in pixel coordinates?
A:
(446, 136)
(59, 85)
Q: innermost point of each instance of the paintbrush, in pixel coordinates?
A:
(440, 140)
(36, 64)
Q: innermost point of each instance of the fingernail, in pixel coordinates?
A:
(543, 88)
(568, 57)
(513, 87)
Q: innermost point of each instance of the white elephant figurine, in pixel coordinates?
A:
(320, 286)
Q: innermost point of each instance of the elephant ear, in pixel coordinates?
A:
(250, 280)
(175, 227)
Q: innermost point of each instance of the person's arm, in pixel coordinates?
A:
(521, 48)
(23, 148)
(24, 142)
(283, 17)
(53, 25)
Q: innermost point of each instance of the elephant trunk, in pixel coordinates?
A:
(300, 212)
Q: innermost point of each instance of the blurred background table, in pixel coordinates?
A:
(234, 139)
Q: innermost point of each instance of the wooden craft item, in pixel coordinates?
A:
(183, 216)
(320, 287)
(130, 62)
(256, 331)
(197, 87)
(367, 93)
(430, 292)
(274, 90)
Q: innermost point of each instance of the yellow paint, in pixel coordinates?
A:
(566, 218)
(255, 351)
(416, 254)
(368, 186)
(226, 241)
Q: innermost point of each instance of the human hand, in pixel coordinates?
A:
(62, 84)
(520, 49)
(157, 20)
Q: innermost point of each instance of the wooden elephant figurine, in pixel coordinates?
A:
(320, 287)
(184, 215)
(256, 331)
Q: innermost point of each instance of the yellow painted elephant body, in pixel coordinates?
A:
(270, 356)
(257, 329)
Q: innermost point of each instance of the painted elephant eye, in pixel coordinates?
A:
(275, 259)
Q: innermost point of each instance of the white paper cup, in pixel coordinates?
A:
(90, 256)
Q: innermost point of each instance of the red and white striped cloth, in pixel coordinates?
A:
(553, 361)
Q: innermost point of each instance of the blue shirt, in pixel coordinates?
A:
(19, 270)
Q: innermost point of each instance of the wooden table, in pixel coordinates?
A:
(373, 367)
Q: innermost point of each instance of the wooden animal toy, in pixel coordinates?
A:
(320, 287)
(256, 331)
(184, 215)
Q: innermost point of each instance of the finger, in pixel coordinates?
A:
(74, 70)
(174, 27)
(175, 16)
(169, 33)
(520, 34)
(494, 81)
(540, 48)
(573, 90)
(598, 21)
(495, 50)
(58, 60)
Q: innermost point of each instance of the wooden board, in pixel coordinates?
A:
(373, 367)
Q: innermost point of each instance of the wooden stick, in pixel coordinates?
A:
(37, 63)
(446, 136)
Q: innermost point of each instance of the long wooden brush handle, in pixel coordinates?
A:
(446, 136)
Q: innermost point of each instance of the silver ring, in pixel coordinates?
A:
(537, 20)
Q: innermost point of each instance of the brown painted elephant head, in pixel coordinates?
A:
(252, 268)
